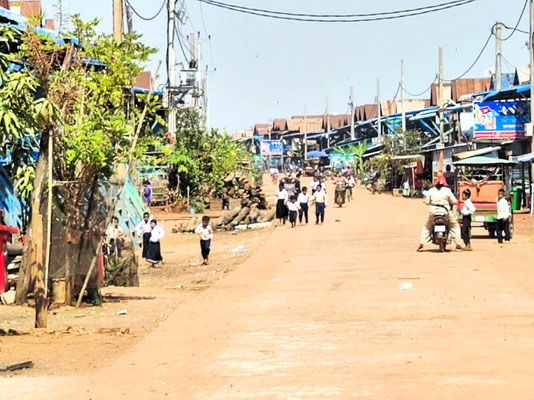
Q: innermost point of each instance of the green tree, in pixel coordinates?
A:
(80, 96)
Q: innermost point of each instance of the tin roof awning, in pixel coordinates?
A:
(410, 157)
(474, 153)
(508, 93)
(483, 160)
(525, 158)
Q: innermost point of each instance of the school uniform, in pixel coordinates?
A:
(313, 186)
(206, 234)
(293, 209)
(154, 246)
(143, 230)
(281, 208)
(321, 202)
(503, 220)
(303, 202)
(468, 209)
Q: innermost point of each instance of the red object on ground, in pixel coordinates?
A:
(5, 231)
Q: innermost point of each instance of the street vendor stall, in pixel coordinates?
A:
(484, 177)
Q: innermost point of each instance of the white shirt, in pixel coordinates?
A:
(114, 233)
(314, 184)
(206, 233)
(156, 234)
(320, 197)
(143, 227)
(503, 209)
(303, 198)
(282, 195)
(352, 182)
(293, 206)
(468, 208)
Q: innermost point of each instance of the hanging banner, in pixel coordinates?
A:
(271, 148)
(500, 119)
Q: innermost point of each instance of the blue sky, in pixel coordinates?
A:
(267, 69)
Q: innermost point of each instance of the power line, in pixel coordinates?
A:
(514, 30)
(147, 18)
(476, 59)
(395, 15)
(423, 92)
(447, 3)
(178, 36)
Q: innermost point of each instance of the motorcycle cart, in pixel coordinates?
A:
(341, 195)
(484, 177)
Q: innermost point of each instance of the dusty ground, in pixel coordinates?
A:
(346, 310)
(94, 337)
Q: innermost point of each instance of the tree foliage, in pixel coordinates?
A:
(203, 160)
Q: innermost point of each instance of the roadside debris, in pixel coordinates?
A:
(239, 250)
(16, 367)
(405, 286)
(8, 297)
(122, 312)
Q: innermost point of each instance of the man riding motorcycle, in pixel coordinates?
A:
(440, 199)
(341, 189)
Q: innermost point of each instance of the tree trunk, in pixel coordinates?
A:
(33, 258)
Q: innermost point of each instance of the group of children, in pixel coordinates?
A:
(290, 206)
(502, 224)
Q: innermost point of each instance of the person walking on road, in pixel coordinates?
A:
(142, 230)
(154, 246)
(281, 204)
(314, 183)
(321, 201)
(468, 209)
(293, 209)
(303, 202)
(503, 218)
(147, 193)
(206, 234)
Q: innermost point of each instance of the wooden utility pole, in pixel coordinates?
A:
(327, 123)
(117, 20)
(403, 94)
(352, 111)
(441, 99)
(305, 132)
(171, 69)
(498, 56)
(379, 110)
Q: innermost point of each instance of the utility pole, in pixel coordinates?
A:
(305, 132)
(352, 111)
(531, 50)
(327, 123)
(117, 20)
(441, 98)
(403, 105)
(498, 56)
(171, 68)
(379, 110)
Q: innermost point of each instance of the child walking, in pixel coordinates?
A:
(281, 203)
(293, 209)
(503, 217)
(206, 234)
(154, 246)
(303, 201)
(468, 209)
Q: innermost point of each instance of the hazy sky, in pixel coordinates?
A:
(267, 69)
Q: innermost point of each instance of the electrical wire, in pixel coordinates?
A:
(476, 59)
(389, 16)
(147, 18)
(447, 3)
(514, 30)
(177, 33)
(517, 30)
(423, 92)
(512, 67)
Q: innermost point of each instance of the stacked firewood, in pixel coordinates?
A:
(238, 186)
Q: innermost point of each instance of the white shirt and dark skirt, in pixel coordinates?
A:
(503, 220)
(281, 209)
(143, 229)
(154, 246)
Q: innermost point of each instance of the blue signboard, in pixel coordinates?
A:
(500, 119)
(271, 148)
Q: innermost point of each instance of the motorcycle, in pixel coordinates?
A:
(440, 230)
(374, 187)
(341, 194)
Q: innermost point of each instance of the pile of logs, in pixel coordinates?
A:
(231, 219)
(238, 186)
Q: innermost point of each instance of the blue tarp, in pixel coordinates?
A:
(509, 93)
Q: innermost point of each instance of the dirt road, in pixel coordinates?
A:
(317, 313)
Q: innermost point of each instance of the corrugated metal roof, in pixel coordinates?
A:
(474, 153)
(462, 87)
(279, 124)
